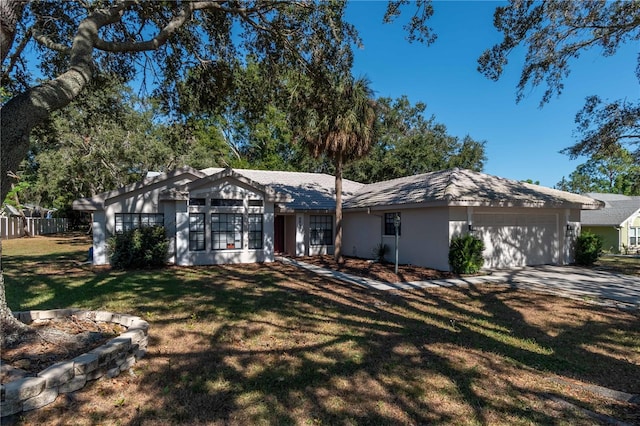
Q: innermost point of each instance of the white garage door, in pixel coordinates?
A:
(518, 239)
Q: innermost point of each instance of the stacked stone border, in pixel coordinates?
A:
(117, 355)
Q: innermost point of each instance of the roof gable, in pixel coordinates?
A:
(307, 191)
(99, 201)
(269, 193)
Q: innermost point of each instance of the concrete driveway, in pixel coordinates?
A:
(577, 282)
(567, 281)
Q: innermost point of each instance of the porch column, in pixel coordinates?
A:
(99, 238)
(301, 246)
(269, 232)
(182, 234)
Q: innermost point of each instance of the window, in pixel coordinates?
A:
(634, 236)
(129, 221)
(256, 203)
(196, 232)
(197, 202)
(222, 202)
(226, 231)
(321, 230)
(389, 224)
(255, 231)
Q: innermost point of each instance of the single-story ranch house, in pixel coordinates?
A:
(216, 215)
(618, 223)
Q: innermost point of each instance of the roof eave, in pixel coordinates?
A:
(88, 204)
(472, 203)
(173, 195)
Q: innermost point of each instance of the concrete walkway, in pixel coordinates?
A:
(567, 281)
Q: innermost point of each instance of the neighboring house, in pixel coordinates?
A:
(236, 216)
(618, 223)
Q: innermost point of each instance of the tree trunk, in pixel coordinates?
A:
(10, 327)
(23, 217)
(337, 253)
(28, 109)
(10, 15)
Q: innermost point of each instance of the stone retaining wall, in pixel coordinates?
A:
(112, 358)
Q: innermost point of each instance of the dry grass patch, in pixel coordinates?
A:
(270, 344)
(624, 264)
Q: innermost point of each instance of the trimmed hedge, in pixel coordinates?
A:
(145, 247)
(588, 248)
(465, 254)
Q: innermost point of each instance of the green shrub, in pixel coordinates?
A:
(588, 248)
(380, 252)
(145, 247)
(465, 254)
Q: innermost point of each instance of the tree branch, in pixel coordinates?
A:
(155, 42)
(179, 21)
(48, 43)
(10, 14)
(13, 59)
(630, 137)
(167, 31)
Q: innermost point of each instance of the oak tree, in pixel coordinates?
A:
(555, 33)
(614, 172)
(75, 40)
(409, 143)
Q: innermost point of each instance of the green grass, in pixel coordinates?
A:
(269, 344)
(623, 264)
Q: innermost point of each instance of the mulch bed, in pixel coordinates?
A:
(384, 272)
(52, 341)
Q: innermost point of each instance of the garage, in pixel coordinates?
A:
(520, 223)
(514, 239)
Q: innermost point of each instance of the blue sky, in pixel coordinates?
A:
(522, 140)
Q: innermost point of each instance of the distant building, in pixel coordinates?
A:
(618, 223)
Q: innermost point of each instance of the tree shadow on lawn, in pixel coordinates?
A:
(272, 344)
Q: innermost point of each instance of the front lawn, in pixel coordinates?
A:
(270, 344)
(623, 264)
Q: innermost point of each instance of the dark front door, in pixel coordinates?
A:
(278, 238)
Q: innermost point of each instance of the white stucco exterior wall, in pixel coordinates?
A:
(362, 233)
(100, 256)
(424, 239)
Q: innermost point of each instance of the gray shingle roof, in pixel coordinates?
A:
(617, 209)
(463, 187)
(315, 191)
(611, 197)
(309, 191)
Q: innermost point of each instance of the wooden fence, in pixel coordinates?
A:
(13, 227)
